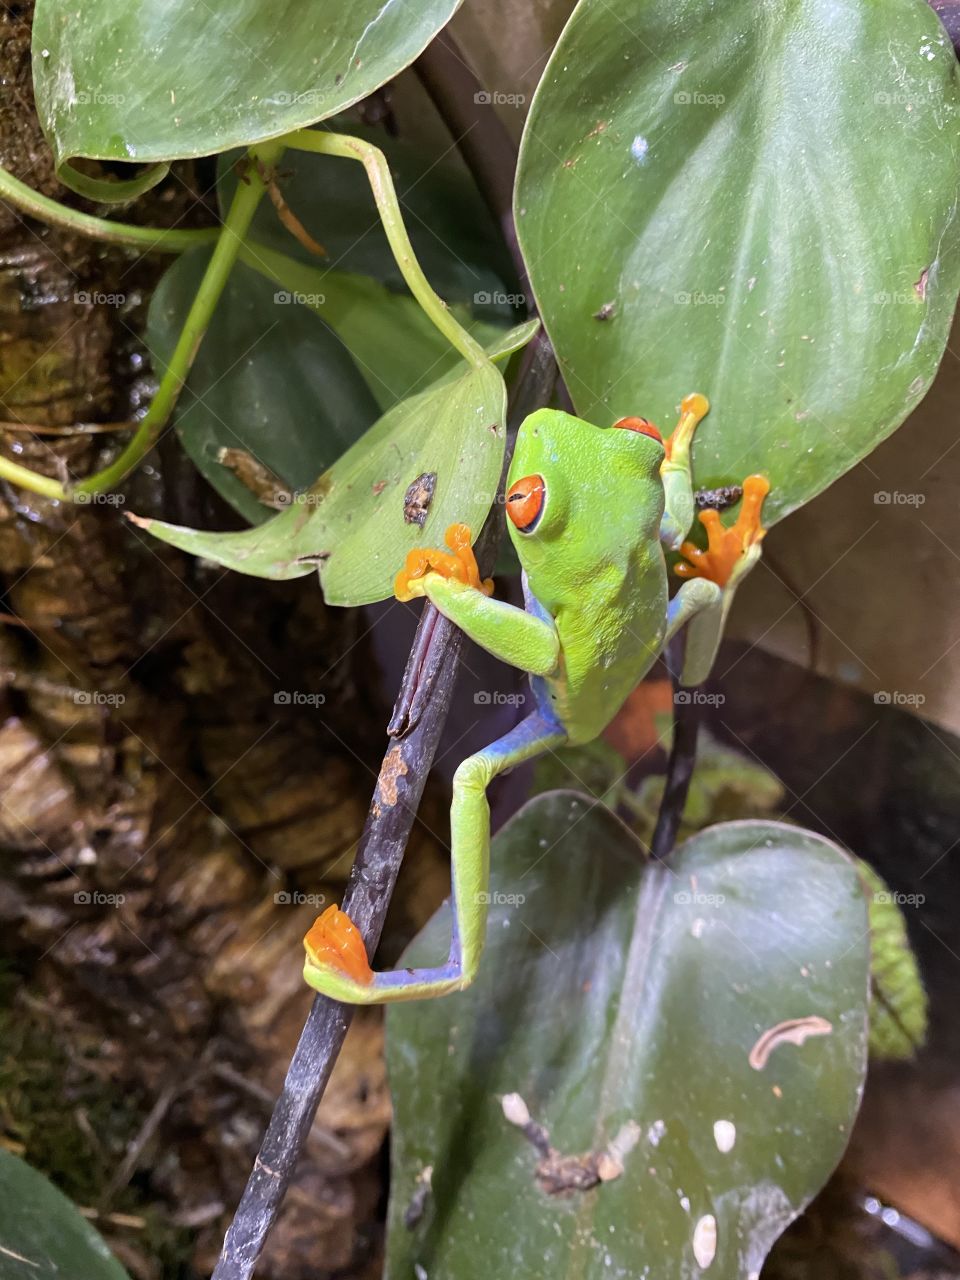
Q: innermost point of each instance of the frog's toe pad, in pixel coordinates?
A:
(334, 942)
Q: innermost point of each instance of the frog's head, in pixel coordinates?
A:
(567, 474)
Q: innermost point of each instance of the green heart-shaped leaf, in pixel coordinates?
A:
(706, 1019)
(357, 522)
(42, 1235)
(757, 202)
(269, 380)
(393, 341)
(169, 78)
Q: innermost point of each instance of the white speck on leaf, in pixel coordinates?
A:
(705, 1241)
(656, 1132)
(515, 1109)
(639, 148)
(724, 1135)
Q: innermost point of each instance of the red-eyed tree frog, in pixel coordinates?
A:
(590, 511)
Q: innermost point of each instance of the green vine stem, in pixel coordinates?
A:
(228, 244)
(164, 240)
(388, 206)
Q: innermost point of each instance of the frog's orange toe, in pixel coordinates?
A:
(755, 489)
(460, 541)
(334, 942)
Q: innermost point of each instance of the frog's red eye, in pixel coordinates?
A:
(525, 502)
(640, 425)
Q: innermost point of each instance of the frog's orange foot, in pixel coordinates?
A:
(727, 547)
(459, 564)
(334, 942)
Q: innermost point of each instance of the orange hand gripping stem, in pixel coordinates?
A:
(726, 546)
(459, 563)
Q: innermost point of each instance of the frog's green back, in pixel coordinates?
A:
(593, 560)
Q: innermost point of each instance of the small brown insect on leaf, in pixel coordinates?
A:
(606, 312)
(417, 499)
(264, 484)
(718, 499)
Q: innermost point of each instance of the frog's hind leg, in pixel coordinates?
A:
(351, 979)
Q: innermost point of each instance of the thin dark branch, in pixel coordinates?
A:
(418, 717)
(425, 702)
(680, 766)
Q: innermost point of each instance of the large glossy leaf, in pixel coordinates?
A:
(42, 1236)
(707, 1019)
(166, 78)
(269, 380)
(457, 243)
(753, 201)
(356, 524)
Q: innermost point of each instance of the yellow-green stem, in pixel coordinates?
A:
(229, 240)
(164, 240)
(246, 198)
(385, 196)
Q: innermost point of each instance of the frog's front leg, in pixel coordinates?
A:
(336, 963)
(515, 636)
